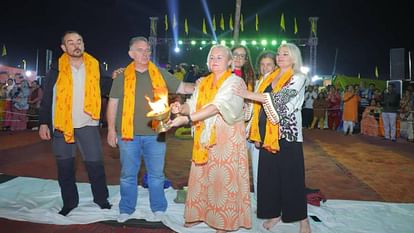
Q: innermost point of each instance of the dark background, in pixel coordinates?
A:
(363, 32)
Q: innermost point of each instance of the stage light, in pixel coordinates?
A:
(243, 42)
(223, 42)
(214, 42)
(263, 42)
(304, 69)
(177, 50)
(316, 78)
(232, 42)
(28, 73)
(193, 42)
(180, 42)
(283, 42)
(203, 42)
(254, 42)
(208, 16)
(274, 42)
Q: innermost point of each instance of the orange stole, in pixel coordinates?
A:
(271, 140)
(208, 88)
(158, 86)
(64, 89)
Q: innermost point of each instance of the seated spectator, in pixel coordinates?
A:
(406, 116)
(369, 122)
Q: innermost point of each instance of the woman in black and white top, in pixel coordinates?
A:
(277, 130)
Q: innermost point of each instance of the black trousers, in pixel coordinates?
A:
(307, 117)
(281, 183)
(88, 140)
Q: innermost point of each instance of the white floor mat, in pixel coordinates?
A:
(38, 200)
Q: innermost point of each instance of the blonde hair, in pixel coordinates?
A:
(226, 49)
(294, 52)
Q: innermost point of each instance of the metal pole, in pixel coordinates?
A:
(334, 66)
(153, 38)
(237, 22)
(37, 62)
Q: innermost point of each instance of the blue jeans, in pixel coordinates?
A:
(131, 156)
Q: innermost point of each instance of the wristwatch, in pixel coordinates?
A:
(190, 122)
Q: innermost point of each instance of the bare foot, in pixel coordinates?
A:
(270, 223)
(304, 226)
(191, 224)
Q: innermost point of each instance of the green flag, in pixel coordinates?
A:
(282, 22)
(295, 30)
(204, 26)
(4, 51)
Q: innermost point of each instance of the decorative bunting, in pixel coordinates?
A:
(222, 22)
(295, 30)
(204, 26)
(166, 22)
(231, 22)
(313, 27)
(282, 22)
(186, 26)
(4, 51)
(214, 22)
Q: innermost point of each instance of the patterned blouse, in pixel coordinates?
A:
(285, 106)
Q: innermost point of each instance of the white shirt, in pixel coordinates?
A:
(79, 117)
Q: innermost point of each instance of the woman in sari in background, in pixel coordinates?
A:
(369, 122)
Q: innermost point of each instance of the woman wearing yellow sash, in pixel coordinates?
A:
(276, 128)
(218, 186)
(266, 63)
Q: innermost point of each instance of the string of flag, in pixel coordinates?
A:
(219, 22)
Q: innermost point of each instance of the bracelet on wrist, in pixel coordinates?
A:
(190, 121)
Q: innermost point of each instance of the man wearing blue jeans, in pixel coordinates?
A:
(131, 130)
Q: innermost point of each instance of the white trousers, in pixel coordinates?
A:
(389, 120)
(254, 155)
(348, 125)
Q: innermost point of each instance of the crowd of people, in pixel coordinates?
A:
(234, 114)
(19, 104)
(356, 109)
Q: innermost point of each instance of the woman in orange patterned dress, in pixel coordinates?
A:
(218, 186)
(369, 124)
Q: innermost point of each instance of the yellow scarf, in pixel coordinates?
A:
(208, 88)
(271, 139)
(64, 90)
(158, 87)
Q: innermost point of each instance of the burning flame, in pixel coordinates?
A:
(160, 105)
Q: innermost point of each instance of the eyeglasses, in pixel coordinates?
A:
(239, 55)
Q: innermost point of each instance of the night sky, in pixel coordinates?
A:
(363, 32)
